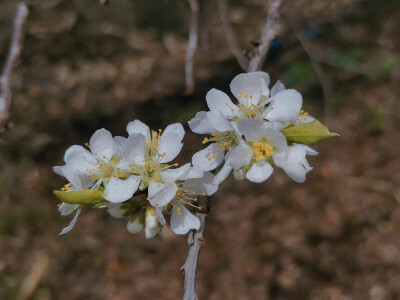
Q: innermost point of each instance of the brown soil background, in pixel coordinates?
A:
(86, 67)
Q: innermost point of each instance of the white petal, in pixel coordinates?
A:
(240, 174)
(72, 224)
(240, 156)
(176, 128)
(115, 210)
(172, 175)
(72, 149)
(119, 144)
(102, 144)
(151, 232)
(204, 159)
(219, 122)
(252, 129)
(259, 172)
(137, 126)
(58, 170)
(134, 226)
(183, 220)
(118, 190)
(164, 196)
(154, 188)
(170, 145)
(160, 216)
(309, 150)
(133, 150)
(278, 87)
(285, 106)
(201, 185)
(65, 208)
(297, 172)
(218, 101)
(200, 124)
(254, 85)
(223, 173)
(82, 162)
(193, 173)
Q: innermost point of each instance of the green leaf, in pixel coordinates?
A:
(87, 197)
(307, 133)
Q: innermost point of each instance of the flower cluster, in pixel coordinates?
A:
(266, 127)
(134, 177)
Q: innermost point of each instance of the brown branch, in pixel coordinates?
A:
(192, 45)
(271, 30)
(195, 240)
(230, 37)
(14, 53)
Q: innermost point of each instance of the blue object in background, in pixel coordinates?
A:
(313, 32)
(277, 43)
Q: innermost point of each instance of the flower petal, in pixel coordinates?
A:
(164, 196)
(137, 126)
(285, 106)
(278, 87)
(82, 162)
(172, 175)
(102, 144)
(193, 173)
(219, 122)
(169, 147)
(154, 188)
(65, 208)
(134, 148)
(252, 129)
(151, 232)
(72, 224)
(176, 128)
(200, 124)
(240, 156)
(119, 144)
(160, 216)
(259, 172)
(223, 173)
(72, 149)
(198, 186)
(209, 158)
(249, 88)
(218, 101)
(114, 209)
(134, 226)
(183, 220)
(118, 190)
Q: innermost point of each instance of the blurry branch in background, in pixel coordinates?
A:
(195, 240)
(36, 273)
(230, 37)
(14, 53)
(192, 45)
(259, 51)
(104, 2)
(321, 75)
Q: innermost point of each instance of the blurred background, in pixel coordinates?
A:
(85, 66)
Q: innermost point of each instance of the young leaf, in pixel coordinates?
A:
(87, 197)
(307, 133)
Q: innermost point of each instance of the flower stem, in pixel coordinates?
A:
(195, 240)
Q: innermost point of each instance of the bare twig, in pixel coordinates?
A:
(321, 75)
(12, 59)
(36, 273)
(230, 37)
(195, 240)
(271, 30)
(192, 45)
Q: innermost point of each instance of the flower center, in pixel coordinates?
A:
(226, 140)
(262, 150)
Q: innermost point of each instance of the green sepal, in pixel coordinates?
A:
(87, 197)
(307, 133)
